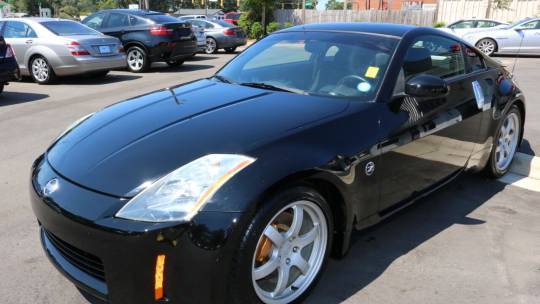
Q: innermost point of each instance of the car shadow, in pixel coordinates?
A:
(200, 57)
(373, 250)
(94, 80)
(8, 98)
(526, 148)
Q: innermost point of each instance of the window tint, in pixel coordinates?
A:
(68, 28)
(208, 25)
(475, 61)
(117, 20)
(434, 55)
(484, 23)
(531, 25)
(15, 29)
(95, 21)
(463, 24)
(133, 20)
(159, 18)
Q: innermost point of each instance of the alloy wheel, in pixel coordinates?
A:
(40, 69)
(507, 141)
(487, 46)
(135, 59)
(211, 45)
(290, 252)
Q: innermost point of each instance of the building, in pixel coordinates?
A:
(360, 5)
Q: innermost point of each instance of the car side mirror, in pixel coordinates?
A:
(519, 28)
(424, 85)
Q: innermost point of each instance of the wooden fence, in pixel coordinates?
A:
(416, 17)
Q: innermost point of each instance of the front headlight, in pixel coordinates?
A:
(181, 194)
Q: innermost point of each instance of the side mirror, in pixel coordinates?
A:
(424, 85)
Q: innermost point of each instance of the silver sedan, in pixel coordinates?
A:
(521, 37)
(220, 35)
(46, 48)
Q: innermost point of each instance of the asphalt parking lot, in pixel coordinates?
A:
(476, 241)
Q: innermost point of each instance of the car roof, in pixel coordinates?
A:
(35, 19)
(137, 12)
(390, 29)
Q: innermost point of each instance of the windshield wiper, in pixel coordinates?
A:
(266, 86)
(222, 79)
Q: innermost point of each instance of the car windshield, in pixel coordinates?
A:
(68, 28)
(314, 63)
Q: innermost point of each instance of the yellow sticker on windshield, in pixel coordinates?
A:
(372, 72)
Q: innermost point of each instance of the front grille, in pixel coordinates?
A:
(85, 261)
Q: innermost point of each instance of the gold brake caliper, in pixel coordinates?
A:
(265, 246)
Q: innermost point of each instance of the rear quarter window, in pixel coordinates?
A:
(157, 18)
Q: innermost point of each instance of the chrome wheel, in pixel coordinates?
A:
(211, 45)
(135, 59)
(487, 46)
(40, 69)
(290, 253)
(507, 141)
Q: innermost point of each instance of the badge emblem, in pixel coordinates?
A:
(50, 187)
(370, 168)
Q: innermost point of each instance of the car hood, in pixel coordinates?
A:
(139, 140)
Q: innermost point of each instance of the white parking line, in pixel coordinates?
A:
(525, 172)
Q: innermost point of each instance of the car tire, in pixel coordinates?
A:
(211, 45)
(230, 50)
(1, 88)
(505, 143)
(487, 46)
(258, 254)
(137, 59)
(175, 63)
(41, 71)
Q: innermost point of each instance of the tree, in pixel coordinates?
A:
(337, 5)
(259, 10)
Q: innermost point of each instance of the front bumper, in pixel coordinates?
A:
(114, 259)
(8, 69)
(86, 64)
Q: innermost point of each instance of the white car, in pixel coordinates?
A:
(466, 26)
(521, 37)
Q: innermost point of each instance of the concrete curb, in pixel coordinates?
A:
(525, 172)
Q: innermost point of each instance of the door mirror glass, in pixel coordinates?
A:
(424, 85)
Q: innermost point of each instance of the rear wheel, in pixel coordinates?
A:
(41, 71)
(506, 142)
(230, 50)
(487, 46)
(175, 63)
(137, 59)
(211, 45)
(284, 249)
(1, 88)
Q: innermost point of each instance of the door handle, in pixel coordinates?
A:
(29, 41)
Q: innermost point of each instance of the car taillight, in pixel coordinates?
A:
(76, 49)
(9, 52)
(228, 32)
(121, 49)
(160, 31)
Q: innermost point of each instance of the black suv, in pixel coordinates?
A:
(8, 65)
(147, 36)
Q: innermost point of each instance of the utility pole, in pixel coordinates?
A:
(303, 11)
(205, 8)
(344, 5)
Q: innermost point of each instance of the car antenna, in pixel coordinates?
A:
(173, 95)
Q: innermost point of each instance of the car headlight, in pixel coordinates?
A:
(72, 126)
(180, 195)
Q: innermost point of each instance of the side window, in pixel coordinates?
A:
(475, 61)
(531, 25)
(434, 55)
(15, 29)
(117, 20)
(463, 24)
(485, 23)
(95, 21)
(208, 25)
(133, 20)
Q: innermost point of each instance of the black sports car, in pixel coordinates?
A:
(237, 188)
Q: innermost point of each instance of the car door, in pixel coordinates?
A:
(426, 141)
(21, 37)
(530, 32)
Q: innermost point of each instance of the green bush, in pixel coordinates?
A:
(245, 23)
(272, 27)
(256, 30)
(288, 24)
(439, 24)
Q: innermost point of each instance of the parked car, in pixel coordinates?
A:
(221, 35)
(465, 26)
(147, 36)
(188, 17)
(8, 65)
(46, 48)
(232, 17)
(201, 38)
(238, 187)
(520, 37)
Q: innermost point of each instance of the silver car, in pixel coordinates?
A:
(467, 26)
(522, 36)
(46, 48)
(220, 35)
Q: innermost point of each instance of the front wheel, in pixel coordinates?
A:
(284, 249)
(506, 142)
(41, 71)
(487, 46)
